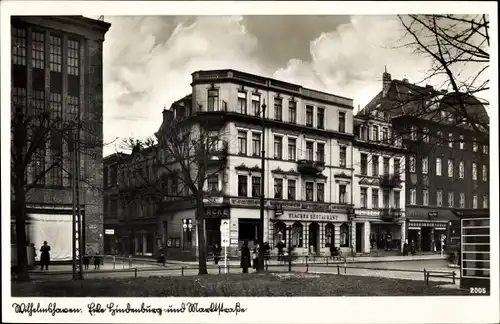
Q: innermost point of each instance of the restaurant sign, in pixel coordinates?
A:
(313, 217)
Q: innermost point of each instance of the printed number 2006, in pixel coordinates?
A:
(477, 290)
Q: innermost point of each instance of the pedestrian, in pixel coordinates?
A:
(406, 248)
(280, 246)
(332, 250)
(255, 256)
(86, 261)
(216, 253)
(245, 257)
(267, 251)
(412, 248)
(97, 261)
(45, 255)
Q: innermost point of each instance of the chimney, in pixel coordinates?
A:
(167, 114)
(386, 81)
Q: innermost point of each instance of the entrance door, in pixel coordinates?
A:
(314, 238)
(213, 232)
(426, 239)
(359, 237)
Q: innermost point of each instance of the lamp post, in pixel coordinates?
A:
(260, 264)
(289, 248)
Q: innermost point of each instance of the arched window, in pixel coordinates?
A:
(297, 233)
(329, 235)
(344, 235)
(279, 233)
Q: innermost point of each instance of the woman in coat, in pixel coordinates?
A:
(45, 255)
(245, 257)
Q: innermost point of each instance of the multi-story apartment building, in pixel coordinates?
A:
(57, 68)
(447, 159)
(308, 164)
(379, 184)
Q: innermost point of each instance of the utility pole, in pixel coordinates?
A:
(260, 265)
(77, 219)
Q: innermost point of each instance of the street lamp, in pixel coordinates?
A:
(260, 264)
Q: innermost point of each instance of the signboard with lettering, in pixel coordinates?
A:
(313, 217)
(427, 224)
(224, 232)
(109, 231)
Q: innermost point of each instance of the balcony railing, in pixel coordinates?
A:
(390, 213)
(218, 154)
(390, 180)
(310, 167)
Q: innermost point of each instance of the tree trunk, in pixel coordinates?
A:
(20, 214)
(202, 249)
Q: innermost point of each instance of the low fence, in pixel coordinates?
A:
(132, 266)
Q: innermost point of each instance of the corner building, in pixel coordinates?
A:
(308, 165)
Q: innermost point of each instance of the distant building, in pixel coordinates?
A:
(447, 161)
(57, 67)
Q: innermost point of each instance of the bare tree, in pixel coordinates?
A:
(187, 154)
(458, 49)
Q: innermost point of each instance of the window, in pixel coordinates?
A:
(292, 148)
(309, 191)
(485, 149)
(278, 147)
(242, 186)
(411, 163)
(413, 197)
(374, 198)
(320, 152)
(375, 133)
(343, 153)
(425, 135)
(55, 53)
(413, 133)
(364, 194)
(425, 197)
(19, 97)
(309, 151)
(364, 164)
(342, 194)
(396, 199)
(38, 101)
(386, 166)
(461, 170)
(73, 57)
(439, 166)
(397, 168)
(425, 165)
(385, 135)
(18, 46)
(485, 173)
(72, 108)
(278, 188)
(213, 100)
(474, 171)
(461, 142)
(278, 109)
(450, 168)
(292, 112)
(320, 192)
(38, 165)
(385, 198)
(213, 183)
(255, 186)
(450, 140)
(451, 197)
(344, 235)
(439, 137)
(291, 190)
(474, 145)
(309, 115)
(375, 164)
(462, 200)
(485, 201)
(297, 235)
(256, 144)
(474, 201)
(321, 118)
(242, 102)
(255, 104)
(341, 121)
(439, 198)
(242, 142)
(38, 50)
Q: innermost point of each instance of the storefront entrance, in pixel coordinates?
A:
(313, 238)
(359, 237)
(426, 239)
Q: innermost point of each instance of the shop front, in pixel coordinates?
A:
(310, 232)
(385, 236)
(427, 236)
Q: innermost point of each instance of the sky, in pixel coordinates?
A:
(148, 60)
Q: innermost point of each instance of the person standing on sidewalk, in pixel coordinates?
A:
(245, 257)
(216, 253)
(45, 255)
(97, 261)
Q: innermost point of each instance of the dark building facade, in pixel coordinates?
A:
(447, 161)
(57, 67)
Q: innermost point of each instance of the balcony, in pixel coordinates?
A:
(390, 181)
(310, 167)
(390, 213)
(217, 155)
